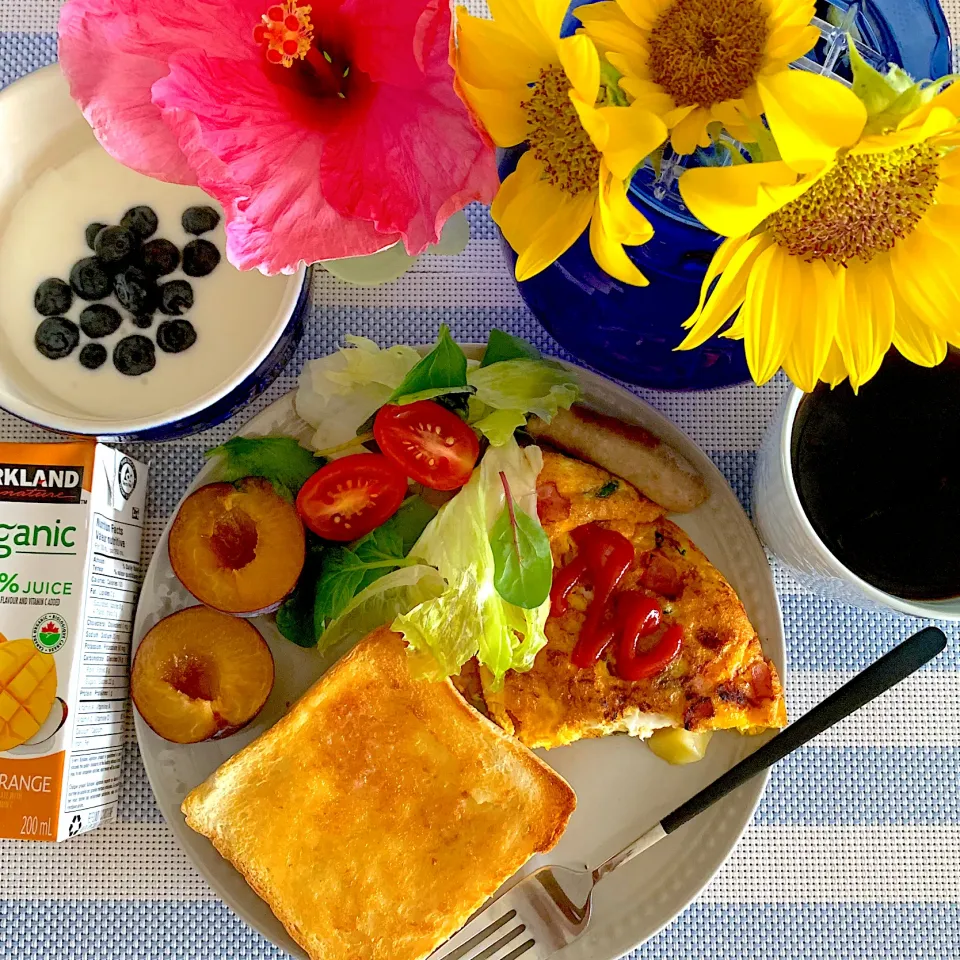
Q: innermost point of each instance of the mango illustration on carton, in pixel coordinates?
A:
(71, 516)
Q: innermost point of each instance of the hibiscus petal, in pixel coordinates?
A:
(255, 151)
(408, 158)
(810, 116)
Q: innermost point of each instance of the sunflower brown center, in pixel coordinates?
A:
(862, 207)
(706, 51)
(556, 135)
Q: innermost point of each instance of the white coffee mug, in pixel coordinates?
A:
(787, 532)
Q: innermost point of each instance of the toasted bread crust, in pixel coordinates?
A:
(381, 811)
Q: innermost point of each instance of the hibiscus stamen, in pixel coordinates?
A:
(287, 32)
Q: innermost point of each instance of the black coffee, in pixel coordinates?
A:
(879, 476)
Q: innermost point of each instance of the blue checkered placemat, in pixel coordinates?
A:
(854, 852)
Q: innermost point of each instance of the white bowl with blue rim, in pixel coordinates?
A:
(242, 328)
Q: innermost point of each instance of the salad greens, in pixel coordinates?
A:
(530, 386)
(523, 565)
(281, 460)
(505, 346)
(442, 371)
(348, 571)
(470, 618)
(295, 615)
(339, 392)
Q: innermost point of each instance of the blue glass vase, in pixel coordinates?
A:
(631, 332)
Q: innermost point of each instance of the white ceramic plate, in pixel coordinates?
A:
(622, 788)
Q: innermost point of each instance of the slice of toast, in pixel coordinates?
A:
(381, 811)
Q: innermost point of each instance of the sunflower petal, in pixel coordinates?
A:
(691, 131)
(489, 55)
(866, 320)
(522, 202)
(927, 282)
(810, 116)
(721, 260)
(593, 120)
(733, 200)
(550, 15)
(609, 252)
(834, 371)
(644, 13)
(500, 111)
(727, 295)
(813, 317)
(558, 229)
(791, 43)
(917, 340)
(581, 64)
(766, 334)
(630, 225)
(634, 133)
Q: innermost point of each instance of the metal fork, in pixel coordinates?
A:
(550, 908)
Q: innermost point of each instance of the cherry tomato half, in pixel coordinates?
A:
(350, 497)
(430, 444)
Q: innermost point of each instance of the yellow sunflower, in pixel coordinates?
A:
(527, 85)
(698, 62)
(848, 244)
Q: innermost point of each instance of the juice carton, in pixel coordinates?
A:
(71, 516)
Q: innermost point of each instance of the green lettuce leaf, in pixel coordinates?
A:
(347, 571)
(442, 370)
(340, 392)
(531, 386)
(470, 618)
(523, 565)
(281, 460)
(499, 426)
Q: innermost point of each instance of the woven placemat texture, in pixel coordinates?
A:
(854, 852)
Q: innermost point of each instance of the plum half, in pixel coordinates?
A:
(237, 547)
(200, 674)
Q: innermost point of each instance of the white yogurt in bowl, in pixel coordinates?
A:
(58, 186)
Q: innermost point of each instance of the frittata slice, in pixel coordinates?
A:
(721, 679)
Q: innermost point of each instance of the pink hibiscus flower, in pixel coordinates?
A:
(325, 130)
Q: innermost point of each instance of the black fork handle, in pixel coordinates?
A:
(879, 677)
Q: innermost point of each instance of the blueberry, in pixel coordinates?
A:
(135, 290)
(114, 245)
(53, 296)
(199, 220)
(200, 257)
(91, 233)
(142, 320)
(159, 257)
(93, 355)
(99, 320)
(176, 297)
(134, 355)
(140, 221)
(90, 279)
(56, 337)
(175, 336)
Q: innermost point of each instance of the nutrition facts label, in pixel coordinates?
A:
(93, 771)
(111, 603)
